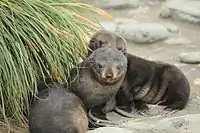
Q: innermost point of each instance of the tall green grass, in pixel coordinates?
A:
(39, 37)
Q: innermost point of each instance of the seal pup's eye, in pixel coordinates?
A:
(119, 67)
(120, 48)
(100, 43)
(100, 65)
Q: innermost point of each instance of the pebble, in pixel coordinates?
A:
(119, 4)
(153, 3)
(142, 10)
(143, 32)
(171, 27)
(119, 21)
(184, 10)
(190, 57)
(197, 81)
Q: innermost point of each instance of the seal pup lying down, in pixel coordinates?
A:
(143, 76)
(98, 79)
(57, 111)
(153, 83)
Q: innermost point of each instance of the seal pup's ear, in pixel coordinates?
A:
(119, 41)
(95, 43)
(91, 46)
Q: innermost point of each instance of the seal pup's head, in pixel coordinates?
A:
(109, 65)
(105, 38)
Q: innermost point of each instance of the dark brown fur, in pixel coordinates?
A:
(105, 38)
(99, 78)
(57, 111)
(143, 74)
(153, 82)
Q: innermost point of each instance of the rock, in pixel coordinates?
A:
(181, 124)
(119, 4)
(190, 57)
(187, 10)
(143, 32)
(110, 130)
(109, 25)
(177, 41)
(165, 11)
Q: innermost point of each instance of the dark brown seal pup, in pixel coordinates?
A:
(105, 38)
(57, 111)
(151, 70)
(154, 83)
(99, 78)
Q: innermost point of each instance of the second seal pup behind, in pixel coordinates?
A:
(99, 78)
(57, 111)
(154, 83)
(105, 38)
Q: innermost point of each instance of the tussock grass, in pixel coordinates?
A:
(38, 38)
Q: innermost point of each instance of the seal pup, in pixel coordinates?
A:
(144, 68)
(98, 78)
(57, 111)
(153, 83)
(105, 38)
